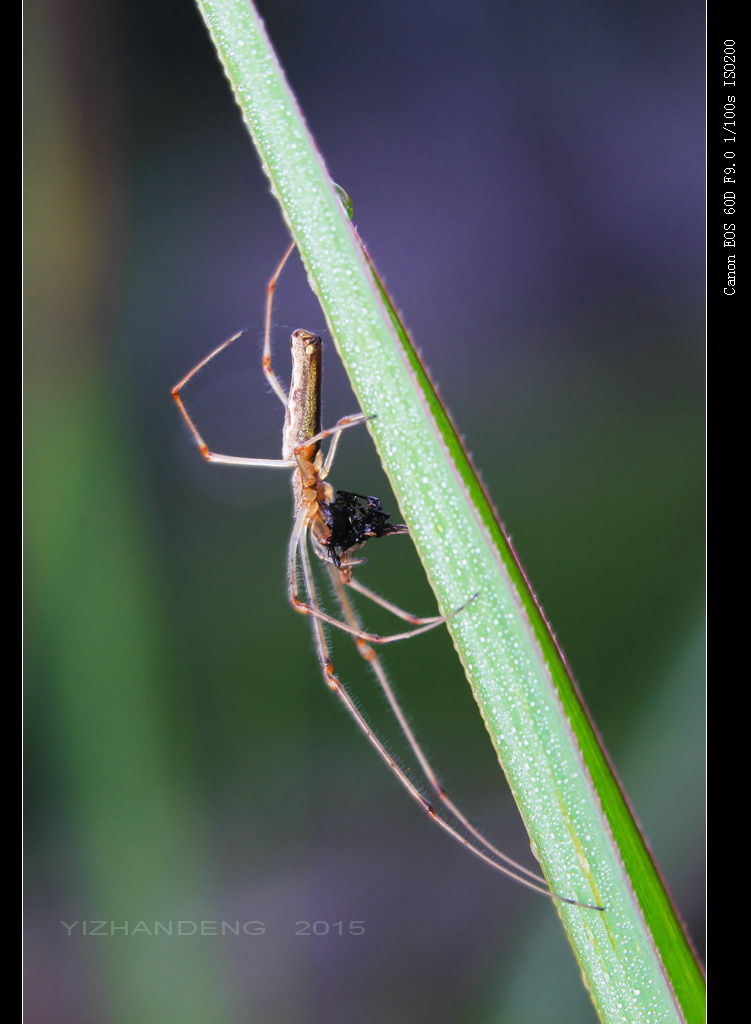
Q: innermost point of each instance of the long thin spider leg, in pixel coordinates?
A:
(271, 377)
(294, 540)
(345, 422)
(306, 608)
(297, 542)
(207, 359)
(355, 584)
(334, 432)
(374, 661)
(335, 684)
(237, 460)
(204, 449)
(359, 634)
(393, 608)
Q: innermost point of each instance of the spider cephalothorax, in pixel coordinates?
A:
(352, 519)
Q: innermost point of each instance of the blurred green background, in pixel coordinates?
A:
(528, 178)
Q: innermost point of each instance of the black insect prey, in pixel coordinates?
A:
(353, 519)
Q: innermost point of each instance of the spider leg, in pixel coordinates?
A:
(401, 613)
(393, 608)
(271, 377)
(479, 846)
(416, 620)
(375, 663)
(359, 634)
(354, 420)
(237, 460)
(204, 449)
(298, 545)
(347, 421)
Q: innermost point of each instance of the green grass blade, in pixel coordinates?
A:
(635, 958)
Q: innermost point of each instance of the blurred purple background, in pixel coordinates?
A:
(529, 181)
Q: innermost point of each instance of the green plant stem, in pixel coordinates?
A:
(634, 957)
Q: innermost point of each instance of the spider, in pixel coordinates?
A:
(334, 524)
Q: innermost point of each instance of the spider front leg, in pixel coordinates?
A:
(204, 449)
(271, 377)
